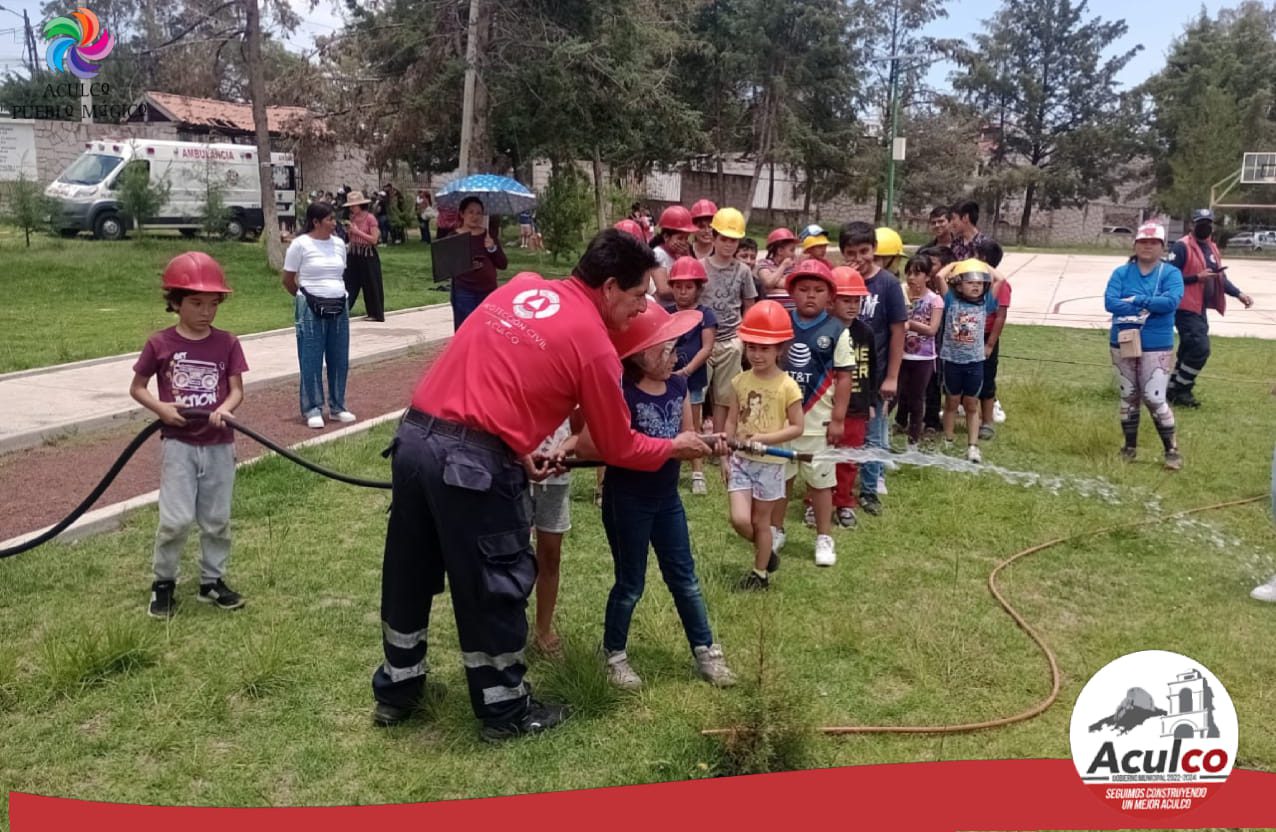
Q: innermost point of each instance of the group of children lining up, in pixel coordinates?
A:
(814, 365)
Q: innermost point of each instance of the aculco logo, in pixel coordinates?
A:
(1154, 733)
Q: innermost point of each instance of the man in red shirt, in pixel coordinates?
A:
(531, 353)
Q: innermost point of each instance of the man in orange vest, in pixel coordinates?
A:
(1205, 284)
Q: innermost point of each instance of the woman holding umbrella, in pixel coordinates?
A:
(486, 256)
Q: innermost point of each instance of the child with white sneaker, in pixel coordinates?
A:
(966, 309)
(195, 365)
(821, 361)
(765, 408)
(687, 279)
(642, 509)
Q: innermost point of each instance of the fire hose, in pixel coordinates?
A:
(1049, 655)
(735, 445)
(198, 413)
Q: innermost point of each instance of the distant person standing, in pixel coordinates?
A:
(425, 212)
(363, 264)
(939, 226)
(486, 259)
(702, 214)
(1205, 284)
(964, 228)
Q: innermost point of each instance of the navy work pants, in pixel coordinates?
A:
(458, 511)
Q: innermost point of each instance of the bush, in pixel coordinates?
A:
(139, 198)
(214, 215)
(566, 209)
(26, 206)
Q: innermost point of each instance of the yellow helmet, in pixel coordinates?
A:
(971, 269)
(889, 243)
(729, 223)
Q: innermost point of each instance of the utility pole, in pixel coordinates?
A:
(471, 81)
(890, 160)
(34, 61)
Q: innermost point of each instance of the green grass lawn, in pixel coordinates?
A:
(271, 704)
(83, 298)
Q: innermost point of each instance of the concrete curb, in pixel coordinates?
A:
(35, 438)
(110, 518)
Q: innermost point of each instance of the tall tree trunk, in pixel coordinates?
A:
(770, 195)
(806, 191)
(599, 202)
(1027, 213)
(257, 90)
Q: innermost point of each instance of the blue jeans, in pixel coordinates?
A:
(878, 436)
(464, 302)
(632, 522)
(320, 339)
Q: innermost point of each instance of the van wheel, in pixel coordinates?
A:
(235, 229)
(108, 226)
(188, 233)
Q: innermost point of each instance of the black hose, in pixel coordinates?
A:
(139, 440)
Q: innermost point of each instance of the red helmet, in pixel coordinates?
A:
(811, 267)
(688, 268)
(677, 218)
(195, 271)
(703, 208)
(850, 283)
(631, 228)
(766, 322)
(780, 235)
(654, 326)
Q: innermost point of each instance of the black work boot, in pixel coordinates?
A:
(538, 718)
(385, 715)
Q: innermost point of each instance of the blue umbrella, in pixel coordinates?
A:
(500, 194)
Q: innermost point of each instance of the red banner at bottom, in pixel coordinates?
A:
(962, 795)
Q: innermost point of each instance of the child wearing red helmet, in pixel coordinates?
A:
(197, 366)
(687, 279)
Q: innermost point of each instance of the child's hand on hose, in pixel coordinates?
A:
(169, 414)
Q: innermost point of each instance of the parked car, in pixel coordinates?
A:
(1252, 240)
(1117, 229)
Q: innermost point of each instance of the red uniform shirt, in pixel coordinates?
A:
(518, 366)
(1003, 302)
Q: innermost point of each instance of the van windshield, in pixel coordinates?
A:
(90, 169)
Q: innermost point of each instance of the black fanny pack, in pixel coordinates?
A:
(324, 307)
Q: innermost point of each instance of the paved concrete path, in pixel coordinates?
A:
(45, 403)
(1049, 289)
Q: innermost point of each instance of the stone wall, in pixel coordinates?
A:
(327, 167)
(59, 143)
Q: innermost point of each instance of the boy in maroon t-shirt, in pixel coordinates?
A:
(196, 366)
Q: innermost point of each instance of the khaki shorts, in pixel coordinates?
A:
(814, 474)
(724, 364)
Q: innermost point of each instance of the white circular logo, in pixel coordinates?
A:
(823, 342)
(536, 303)
(1154, 734)
(799, 355)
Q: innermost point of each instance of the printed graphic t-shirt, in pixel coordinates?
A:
(964, 328)
(764, 405)
(657, 416)
(821, 347)
(864, 381)
(918, 347)
(725, 293)
(885, 305)
(193, 374)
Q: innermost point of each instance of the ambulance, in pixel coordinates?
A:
(85, 195)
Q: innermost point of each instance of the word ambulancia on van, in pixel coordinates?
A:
(86, 194)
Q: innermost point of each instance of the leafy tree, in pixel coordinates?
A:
(139, 197)
(564, 211)
(214, 215)
(1040, 75)
(26, 207)
(943, 155)
(1212, 101)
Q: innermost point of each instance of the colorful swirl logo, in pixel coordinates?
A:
(76, 42)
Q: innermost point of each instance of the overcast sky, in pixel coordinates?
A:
(1153, 24)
